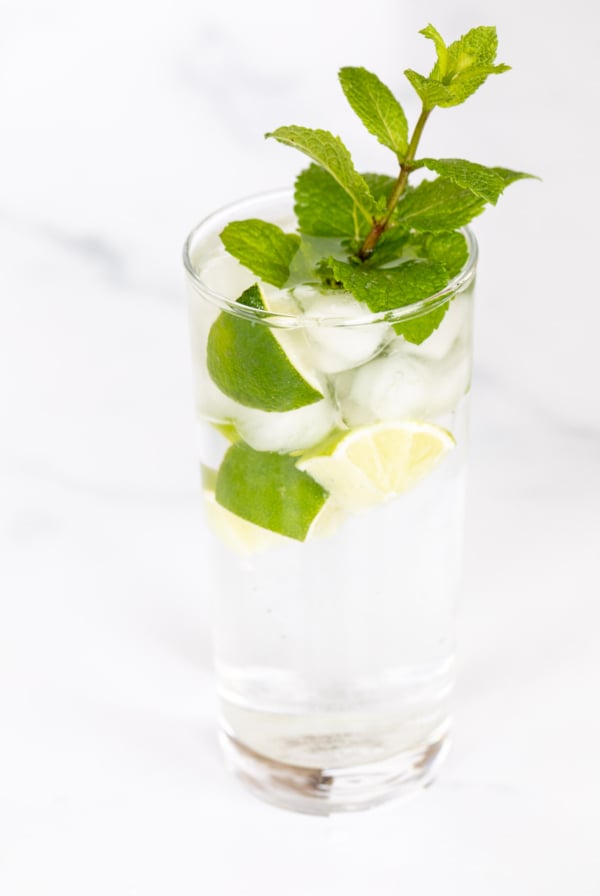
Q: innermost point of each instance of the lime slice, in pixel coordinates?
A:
(371, 464)
(249, 365)
(267, 489)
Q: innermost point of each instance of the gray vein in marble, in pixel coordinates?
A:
(28, 525)
(37, 469)
(224, 73)
(537, 408)
(98, 253)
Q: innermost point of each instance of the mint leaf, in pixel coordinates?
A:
(267, 489)
(397, 245)
(312, 249)
(389, 288)
(464, 84)
(329, 152)
(384, 289)
(449, 249)
(441, 67)
(460, 69)
(420, 328)
(380, 185)
(377, 108)
(439, 205)
(484, 182)
(247, 363)
(477, 47)
(324, 209)
(262, 247)
(431, 92)
(509, 177)
(461, 87)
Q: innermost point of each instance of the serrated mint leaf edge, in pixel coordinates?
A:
(413, 219)
(376, 106)
(510, 177)
(374, 285)
(262, 247)
(417, 330)
(491, 184)
(334, 156)
(441, 66)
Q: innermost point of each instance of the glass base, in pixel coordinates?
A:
(325, 791)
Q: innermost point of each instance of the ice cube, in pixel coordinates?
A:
(392, 387)
(211, 403)
(334, 349)
(280, 301)
(454, 326)
(213, 446)
(399, 386)
(226, 276)
(286, 431)
(450, 381)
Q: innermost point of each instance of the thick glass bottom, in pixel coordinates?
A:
(328, 790)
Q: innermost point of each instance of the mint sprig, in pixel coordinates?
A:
(447, 248)
(387, 242)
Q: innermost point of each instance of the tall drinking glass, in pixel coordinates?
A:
(336, 526)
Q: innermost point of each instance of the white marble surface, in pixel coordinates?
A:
(122, 124)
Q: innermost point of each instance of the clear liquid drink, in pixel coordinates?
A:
(333, 586)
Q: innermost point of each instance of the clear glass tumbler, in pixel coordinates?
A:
(334, 644)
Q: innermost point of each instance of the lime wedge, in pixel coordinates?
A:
(238, 534)
(267, 489)
(371, 464)
(245, 538)
(249, 365)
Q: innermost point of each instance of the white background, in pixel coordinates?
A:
(121, 125)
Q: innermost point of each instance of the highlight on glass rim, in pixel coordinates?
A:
(331, 331)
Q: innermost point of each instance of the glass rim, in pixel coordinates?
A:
(279, 319)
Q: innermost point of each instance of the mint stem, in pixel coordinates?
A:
(379, 226)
